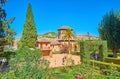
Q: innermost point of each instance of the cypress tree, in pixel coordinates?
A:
(29, 35)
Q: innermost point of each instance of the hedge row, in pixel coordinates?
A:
(75, 53)
(112, 60)
(118, 54)
(89, 47)
(111, 54)
(104, 65)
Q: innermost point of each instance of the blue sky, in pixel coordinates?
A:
(49, 15)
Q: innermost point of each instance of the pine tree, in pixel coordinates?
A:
(5, 27)
(29, 35)
(109, 29)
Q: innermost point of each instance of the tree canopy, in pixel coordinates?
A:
(5, 30)
(109, 29)
(29, 35)
(69, 36)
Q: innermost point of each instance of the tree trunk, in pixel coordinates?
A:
(115, 53)
(69, 45)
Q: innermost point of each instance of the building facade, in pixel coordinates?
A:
(48, 46)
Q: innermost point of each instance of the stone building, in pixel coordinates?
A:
(64, 42)
(44, 46)
(48, 46)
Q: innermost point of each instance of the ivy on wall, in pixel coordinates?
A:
(88, 47)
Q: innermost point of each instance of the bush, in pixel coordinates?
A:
(70, 72)
(104, 65)
(75, 53)
(110, 55)
(88, 47)
(110, 71)
(7, 54)
(25, 65)
(56, 52)
(112, 60)
(118, 54)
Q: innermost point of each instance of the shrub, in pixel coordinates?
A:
(104, 65)
(110, 55)
(84, 70)
(7, 54)
(25, 65)
(75, 53)
(112, 60)
(118, 54)
(88, 47)
(56, 52)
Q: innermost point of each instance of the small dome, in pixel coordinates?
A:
(64, 28)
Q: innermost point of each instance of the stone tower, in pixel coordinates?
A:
(61, 32)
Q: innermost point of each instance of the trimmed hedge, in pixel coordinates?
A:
(75, 53)
(104, 65)
(118, 54)
(88, 47)
(110, 55)
(112, 60)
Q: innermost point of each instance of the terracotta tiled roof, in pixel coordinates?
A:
(85, 37)
(43, 40)
(55, 42)
(64, 28)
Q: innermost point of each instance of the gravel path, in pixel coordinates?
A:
(57, 60)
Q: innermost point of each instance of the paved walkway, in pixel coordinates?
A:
(57, 60)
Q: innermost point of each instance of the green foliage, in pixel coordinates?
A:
(75, 53)
(50, 35)
(26, 65)
(89, 47)
(10, 33)
(87, 71)
(7, 54)
(110, 71)
(110, 55)
(56, 52)
(109, 30)
(29, 35)
(69, 72)
(104, 65)
(118, 54)
(5, 30)
(68, 35)
(112, 60)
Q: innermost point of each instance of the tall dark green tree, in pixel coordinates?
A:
(29, 35)
(109, 29)
(4, 27)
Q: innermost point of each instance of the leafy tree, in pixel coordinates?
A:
(10, 33)
(29, 35)
(109, 29)
(68, 36)
(26, 64)
(4, 26)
